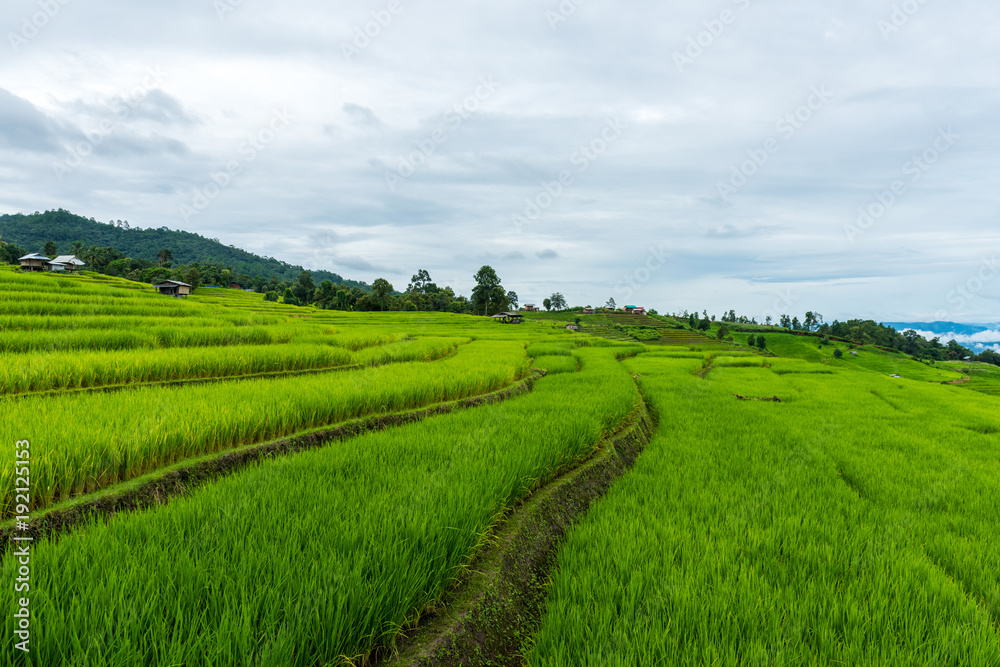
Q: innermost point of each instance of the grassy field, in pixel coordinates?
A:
(851, 523)
(793, 508)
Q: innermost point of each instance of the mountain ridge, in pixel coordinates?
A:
(31, 231)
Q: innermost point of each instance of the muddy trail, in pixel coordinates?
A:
(488, 615)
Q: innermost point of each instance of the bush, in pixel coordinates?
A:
(838, 353)
(271, 296)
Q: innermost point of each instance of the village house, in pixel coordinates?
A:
(530, 308)
(66, 263)
(588, 311)
(508, 317)
(34, 262)
(173, 288)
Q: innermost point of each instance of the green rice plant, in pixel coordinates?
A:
(851, 523)
(84, 369)
(121, 435)
(548, 349)
(149, 337)
(425, 349)
(314, 558)
(556, 364)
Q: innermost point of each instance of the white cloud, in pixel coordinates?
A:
(655, 187)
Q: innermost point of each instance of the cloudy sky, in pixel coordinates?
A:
(768, 156)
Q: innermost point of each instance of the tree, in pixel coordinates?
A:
(289, 298)
(304, 287)
(165, 257)
(381, 291)
(752, 340)
(722, 332)
(547, 303)
(786, 322)
(767, 320)
(512, 298)
(420, 282)
(192, 277)
(610, 305)
(795, 324)
(50, 249)
(558, 301)
(705, 324)
(271, 296)
(761, 342)
(488, 295)
(77, 247)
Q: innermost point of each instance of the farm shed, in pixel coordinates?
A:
(530, 308)
(66, 263)
(508, 318)
(572, 327)
(638, 310)
(173, 288)
(588, 311)
(34, 262)
(629, 309)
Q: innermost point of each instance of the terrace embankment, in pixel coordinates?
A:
(489, 614)
(157, 488)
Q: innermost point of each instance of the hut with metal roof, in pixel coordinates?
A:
(34, 262)
(66, 263)
(507, 317)
(173, 288)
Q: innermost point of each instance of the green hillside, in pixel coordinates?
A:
(30, 232)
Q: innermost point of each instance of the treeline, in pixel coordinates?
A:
(422, 294)
(29, 233)
(863, 332)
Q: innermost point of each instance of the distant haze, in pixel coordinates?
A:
(768, 157)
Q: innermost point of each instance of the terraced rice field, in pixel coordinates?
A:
(325, 490)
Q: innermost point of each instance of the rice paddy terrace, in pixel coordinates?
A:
(220, 480)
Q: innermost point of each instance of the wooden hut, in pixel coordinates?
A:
(34, 262)
(507, 318)
(66, 263)
(173, 288)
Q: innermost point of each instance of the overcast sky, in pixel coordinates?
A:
(677, 155)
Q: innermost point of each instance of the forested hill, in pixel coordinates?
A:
(30, 232)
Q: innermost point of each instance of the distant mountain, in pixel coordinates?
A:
(977, 337)
(30, 232)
